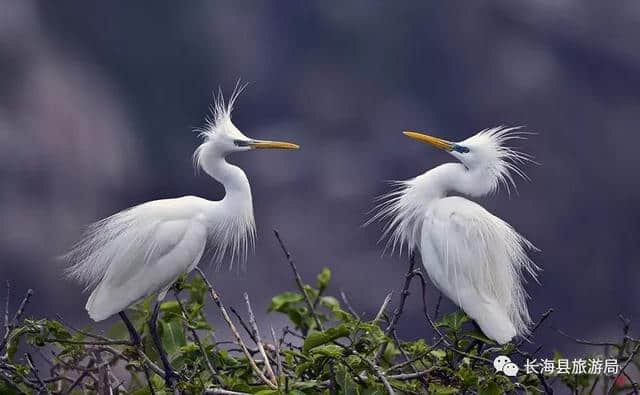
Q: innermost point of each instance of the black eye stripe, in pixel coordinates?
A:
(461, 149)
(241, 143)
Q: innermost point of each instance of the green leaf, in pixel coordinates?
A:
(477, 335)
(172, 336)
(302, 367)
(323, 279)
(280, 302)
(328, 350)
(57, 330)
(346, 383)
(454, 321)
(171, 306)
(439, 389)
(467, 376)
(316, 339)
(490, 388)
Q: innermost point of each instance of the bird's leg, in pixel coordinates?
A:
(476, 342)
(133, 333)
(137, 343)
(170, 375)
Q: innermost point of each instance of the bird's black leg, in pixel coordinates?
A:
(170, 375)
(133, 333)
(479, 344)
(135, 339)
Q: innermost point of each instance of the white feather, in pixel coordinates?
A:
(476, 259)
(142, 250)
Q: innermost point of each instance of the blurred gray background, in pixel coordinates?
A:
(98, 101)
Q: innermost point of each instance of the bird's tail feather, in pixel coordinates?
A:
(493, 320)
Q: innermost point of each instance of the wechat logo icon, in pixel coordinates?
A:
(503, 364)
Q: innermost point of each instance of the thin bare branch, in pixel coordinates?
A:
(633, 354)
(220, 391)
(256, 335)
(350, 309)
(383, 307)
(299, 280)
(586, 342)
(234, 330)
(436, 310)
(276, 345)
(36, 374)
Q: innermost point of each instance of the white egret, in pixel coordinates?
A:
(474, 258)
(144, 249)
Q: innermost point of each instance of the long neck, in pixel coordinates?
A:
(231, 221)
(404, 209)
(232, 178)
(453, 178)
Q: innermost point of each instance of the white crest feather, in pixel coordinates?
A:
(502, 161)
(219, 119)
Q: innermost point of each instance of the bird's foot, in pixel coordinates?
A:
(171, 377)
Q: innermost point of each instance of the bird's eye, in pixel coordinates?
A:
(461, 149)
(241, 143)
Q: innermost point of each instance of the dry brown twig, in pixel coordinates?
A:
(234, 331)
(256, 334)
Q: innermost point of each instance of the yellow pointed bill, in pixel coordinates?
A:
(262, 144)
(425, 138)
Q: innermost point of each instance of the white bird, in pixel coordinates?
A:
(144, 249)
(473, 257)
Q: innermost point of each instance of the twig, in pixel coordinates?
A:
(376, 371)
(415, 359)
(6, 310)
(9, 325)
(585, 342)
(220, 391)
(423, 283)
(406, 358)
(276, 344)
(90, 342)
(403, 296)
(410, 376)
(436, 310)
(81, 377)
(333, 385)
(34, 370)
(635, 351)
(243, 324)
(234, 330)
(299, 280)
(23, 304)
(350, 309)
(383, 307)
(542, 319)
(256, 334)
(80, 331)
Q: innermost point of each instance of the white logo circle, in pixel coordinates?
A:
(510, 369)
(500, 362)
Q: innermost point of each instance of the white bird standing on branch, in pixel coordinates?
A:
(143, 250)
(474, 258)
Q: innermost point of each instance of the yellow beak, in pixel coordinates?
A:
(425, 138)
(264, 144)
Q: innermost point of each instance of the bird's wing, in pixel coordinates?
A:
(162, 251)
(474, 256)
